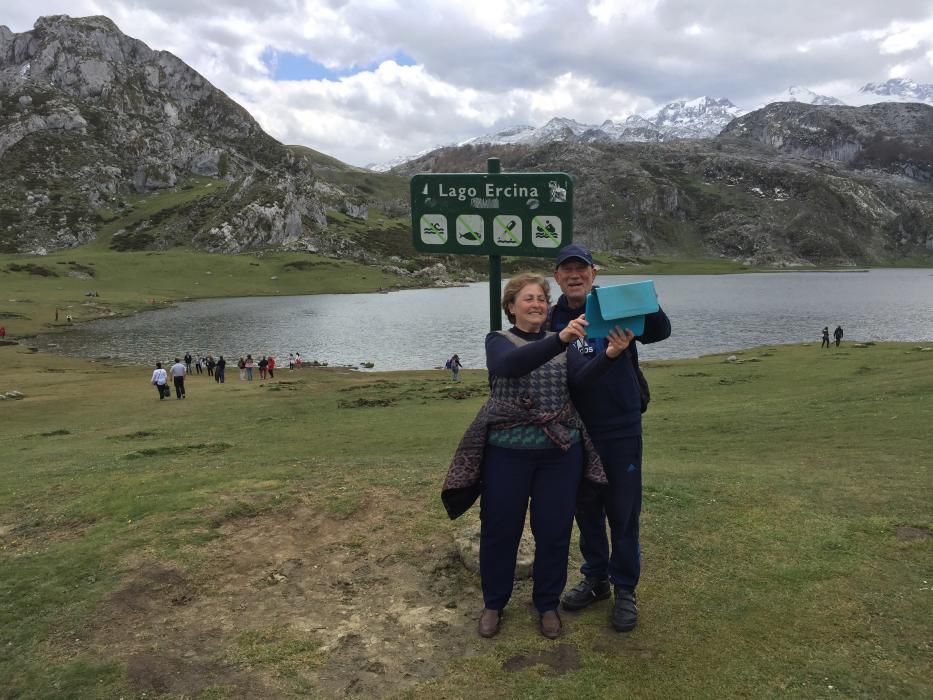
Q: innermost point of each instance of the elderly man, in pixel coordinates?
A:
(611, 411)
(178, 378)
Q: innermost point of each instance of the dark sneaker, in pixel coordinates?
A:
(625, 612)
(589, 590)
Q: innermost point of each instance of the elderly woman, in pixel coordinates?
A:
(527, 444)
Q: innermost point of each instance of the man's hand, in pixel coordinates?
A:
(574, 330)
(617, 341)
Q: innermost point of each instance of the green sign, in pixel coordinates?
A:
(521, 214)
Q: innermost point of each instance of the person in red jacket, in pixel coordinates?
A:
(271, 367)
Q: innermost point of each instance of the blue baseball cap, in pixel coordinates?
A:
(574, 251)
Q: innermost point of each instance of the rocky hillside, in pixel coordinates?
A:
(895, 137)
(93, 123)
(841, 186)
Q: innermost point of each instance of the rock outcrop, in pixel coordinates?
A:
(90, 117)
(896, 137)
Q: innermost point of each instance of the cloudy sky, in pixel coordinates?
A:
(370, 80)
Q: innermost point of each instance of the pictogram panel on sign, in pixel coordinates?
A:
(546, 231)
(507, 230)
(470, 229)
(433, 229)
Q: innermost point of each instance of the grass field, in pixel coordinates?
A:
(286, 538)
(34, 287)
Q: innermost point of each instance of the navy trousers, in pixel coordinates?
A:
(549, 479)
(620, 504)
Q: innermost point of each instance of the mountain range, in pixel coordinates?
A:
(105, 139)
(703, 117)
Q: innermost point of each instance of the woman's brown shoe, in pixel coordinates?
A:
(550, 624)
(489, 622)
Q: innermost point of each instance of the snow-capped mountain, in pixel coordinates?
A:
(896, 90)
(700, 118)
(510, 135)
(703, 117)
(796, 93)
(389, 164)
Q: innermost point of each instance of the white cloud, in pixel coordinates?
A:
(486, 64)
(905, 37)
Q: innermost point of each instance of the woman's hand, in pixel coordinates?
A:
(574, 330)
(617, 341)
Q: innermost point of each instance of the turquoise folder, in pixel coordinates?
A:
(622, 305)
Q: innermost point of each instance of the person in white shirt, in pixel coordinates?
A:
(159, 380)
(178, 377)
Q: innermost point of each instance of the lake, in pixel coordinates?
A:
(418, 329)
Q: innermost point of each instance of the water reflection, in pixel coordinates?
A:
(418, 329)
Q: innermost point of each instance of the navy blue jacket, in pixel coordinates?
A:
(611, 407)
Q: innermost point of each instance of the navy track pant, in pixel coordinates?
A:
(549, 479)
(620, 505)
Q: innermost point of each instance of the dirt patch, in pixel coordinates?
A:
(187, 677)
(32, 269)
(306, 264)
(139, 434)
(167, 450)
(905, 533)
(296, 602)
(558, 661)
(365, 403)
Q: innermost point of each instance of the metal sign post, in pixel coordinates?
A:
(494, 167)
(494, 214)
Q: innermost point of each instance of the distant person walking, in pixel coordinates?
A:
(219, 370)
(178, 378)
(159, 381)
(453, 364)
(837, 334)
(241, 365)
(271, 367)
(248, 365)
(825, 343)
(263, 367)
(199, 364)
(210, 365)
(291, 360)
(187, 362)
(297, 360)
(2, 332)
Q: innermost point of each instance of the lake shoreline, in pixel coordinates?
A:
(706, 301)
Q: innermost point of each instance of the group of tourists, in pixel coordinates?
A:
(201, 364)
(216, 368)
(837, 336)
(265, 365)
(561, 432)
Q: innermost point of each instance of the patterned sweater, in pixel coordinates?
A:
(529, 408)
